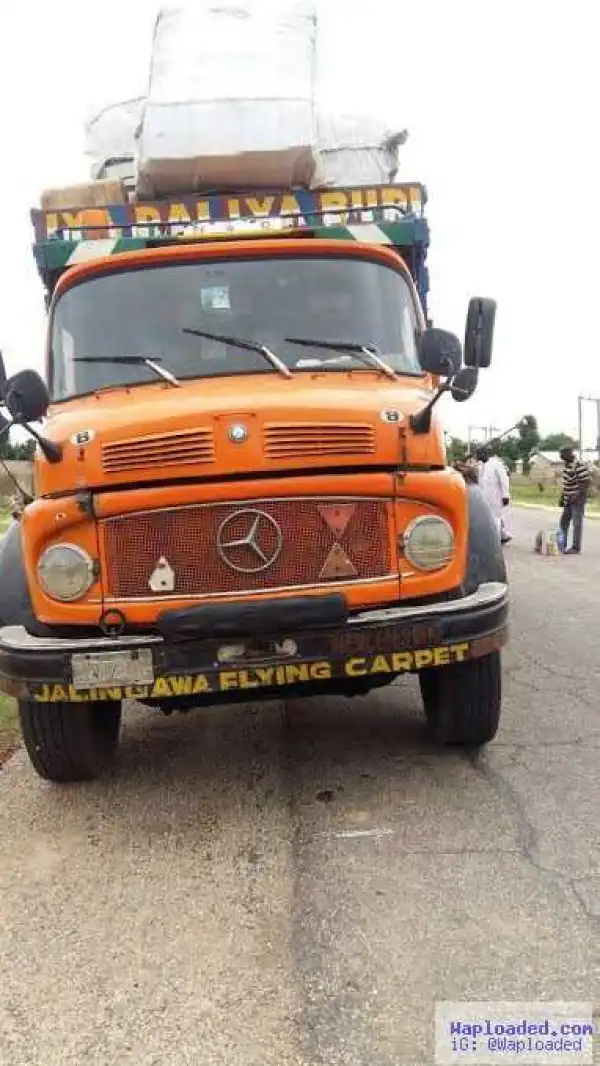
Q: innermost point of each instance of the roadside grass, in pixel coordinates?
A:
(5, 519)
(9, 727)
(548, 496)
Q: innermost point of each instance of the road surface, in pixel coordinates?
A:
(298, 883)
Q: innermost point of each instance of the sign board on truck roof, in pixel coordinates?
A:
(205, 213)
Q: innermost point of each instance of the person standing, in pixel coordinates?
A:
(576, 486)
(496, 489)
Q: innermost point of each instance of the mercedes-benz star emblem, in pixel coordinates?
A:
(238, 433)
(262, 538)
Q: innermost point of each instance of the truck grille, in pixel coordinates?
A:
(173, 449)
(298, 439)
(301, 542)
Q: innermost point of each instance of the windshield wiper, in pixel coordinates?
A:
(132, 360)
(368, 352)
(249, 346)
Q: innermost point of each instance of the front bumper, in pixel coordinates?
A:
(369, 649)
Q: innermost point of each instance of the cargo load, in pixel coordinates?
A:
(89, 194)
(356, 150)
(230, 99)
(110, 139)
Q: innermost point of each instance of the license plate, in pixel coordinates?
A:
(103, 669)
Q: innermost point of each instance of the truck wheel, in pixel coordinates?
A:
(463, 701)
(70, 741)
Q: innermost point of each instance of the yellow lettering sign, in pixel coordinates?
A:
(423, 658)
(395, 198)
(290, 205)
(136, 692)
(178, 213)
(168, 687)
(441, 656)
(51, 223)
(297, 672)
(260, 208)
(355, 667)
(402, 661)
(320, 671)
(380, 665)
(201, 684)
(333, 201)
(161, 688)
(143, 213)
(74, 219)
(181, 686)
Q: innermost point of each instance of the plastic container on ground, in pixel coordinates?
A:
(231, 99)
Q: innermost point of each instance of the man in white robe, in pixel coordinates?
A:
(495, 485)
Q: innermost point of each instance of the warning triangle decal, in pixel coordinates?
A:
(337, 564)
(337, 516)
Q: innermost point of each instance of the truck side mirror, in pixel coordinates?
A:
(464, 384)
(479, 332)
(440, 352)
(26, 396)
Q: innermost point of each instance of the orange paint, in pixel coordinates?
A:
(211, 405)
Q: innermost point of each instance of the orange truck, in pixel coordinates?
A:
(241, 485)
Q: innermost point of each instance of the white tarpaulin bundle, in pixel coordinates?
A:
(110, 139)
(356, 150)
(231, 98)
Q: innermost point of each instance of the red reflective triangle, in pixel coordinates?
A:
(337, 516)
(337, 564)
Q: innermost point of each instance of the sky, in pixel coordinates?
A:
(500, 99)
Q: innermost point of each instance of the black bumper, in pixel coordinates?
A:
(369, 649)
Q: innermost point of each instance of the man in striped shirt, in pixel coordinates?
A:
(576, 485)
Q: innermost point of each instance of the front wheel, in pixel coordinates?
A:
(463, 701)
(70, 741)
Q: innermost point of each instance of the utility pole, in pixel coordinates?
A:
(580, 402)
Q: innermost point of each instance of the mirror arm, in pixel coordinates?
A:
(421, 422)
(53, 452)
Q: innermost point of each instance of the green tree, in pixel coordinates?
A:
(25, 450)
(528, 440)
(555, 441)
(510, 451)
(456, 449)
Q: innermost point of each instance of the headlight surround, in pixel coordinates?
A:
(428, 542)
(65, 572)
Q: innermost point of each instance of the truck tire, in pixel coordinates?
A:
(70, 742)
(463, 701)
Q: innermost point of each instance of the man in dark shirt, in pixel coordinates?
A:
(576, 485)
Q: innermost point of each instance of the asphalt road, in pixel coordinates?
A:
(298, 883)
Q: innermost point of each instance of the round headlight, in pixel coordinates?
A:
(66, 572)
(429, 542)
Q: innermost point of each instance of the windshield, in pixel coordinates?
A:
(104, 329)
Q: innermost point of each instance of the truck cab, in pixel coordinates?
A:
(241, 481)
